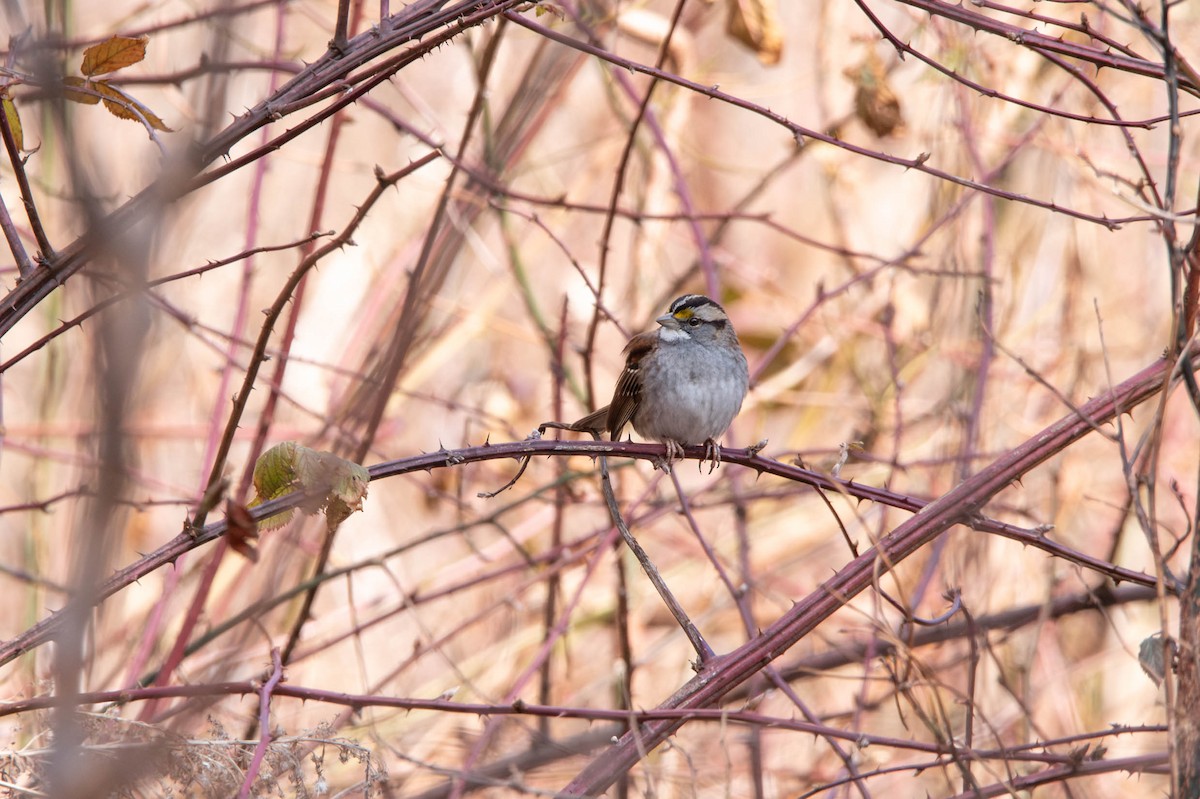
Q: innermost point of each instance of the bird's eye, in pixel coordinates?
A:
(694, 321)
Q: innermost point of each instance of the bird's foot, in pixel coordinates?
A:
(674, 453)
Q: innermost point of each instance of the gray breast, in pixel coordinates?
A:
(691, 395)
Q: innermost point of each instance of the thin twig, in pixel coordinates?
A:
(703, 651)
(264, 724)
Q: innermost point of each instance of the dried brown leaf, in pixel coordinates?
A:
(1151, 657)
(85, 93)
(875, 104)
(241, 531)
(113, 54)
(755, 23)
(122, 106)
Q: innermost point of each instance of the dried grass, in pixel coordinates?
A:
(439, 593)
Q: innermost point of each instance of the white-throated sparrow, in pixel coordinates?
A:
(682, 383)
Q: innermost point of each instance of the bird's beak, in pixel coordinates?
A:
(668, 321)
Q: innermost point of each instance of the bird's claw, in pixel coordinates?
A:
(674, 453)
(712, 454)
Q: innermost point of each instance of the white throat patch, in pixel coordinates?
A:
(672, 334)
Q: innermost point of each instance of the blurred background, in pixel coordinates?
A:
(899, 320)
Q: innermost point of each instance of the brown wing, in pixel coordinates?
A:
(628, 394)
(594, 422)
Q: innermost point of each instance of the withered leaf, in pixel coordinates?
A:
(755, 23)
(240, 530)
(113, 54)
(122, 106)
(84, 91)
(875, 104)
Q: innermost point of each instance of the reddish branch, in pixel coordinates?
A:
(959, 505)
(264, 723)
(917, 164)
(276, 687)
(1042, 43)
(424, 26)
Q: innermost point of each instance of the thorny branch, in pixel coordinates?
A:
(353, 67)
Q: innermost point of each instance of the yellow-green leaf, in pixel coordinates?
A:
(275, 471)
(274, 476)
(550, 8)
(273, 522)
(88, 94)
(113, 54)
(14, 121)
(331, 484)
